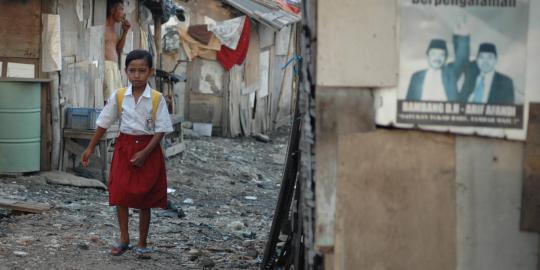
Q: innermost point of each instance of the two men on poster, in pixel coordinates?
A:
(471, 76)
(440, 81)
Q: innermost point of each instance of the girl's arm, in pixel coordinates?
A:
(90, 149)
(140, 157)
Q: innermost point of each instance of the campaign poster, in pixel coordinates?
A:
(463, 64)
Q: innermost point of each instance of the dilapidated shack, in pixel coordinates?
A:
(57, 46)
(255, 96)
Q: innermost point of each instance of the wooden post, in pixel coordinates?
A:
(55, 115)
(157, 39)
(157, 42)
(52, 8)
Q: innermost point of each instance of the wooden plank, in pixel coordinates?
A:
(100, 12)
(530, 205)
(339, 112)
(175, 149)
(29, 207)
(225, 119)
(20, 28)
(96, 60)
(68, 79)
(45, 151)
(266, 36)
(362, 41)
(283, 37)
(252, 63)
(70, 29)
(396, 205)
(235, 85)
(284, 102)
(245, 115)
(74, 148)
(111, 133)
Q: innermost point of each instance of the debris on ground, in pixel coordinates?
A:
(221, 227)
(63, 178)
(262, 138)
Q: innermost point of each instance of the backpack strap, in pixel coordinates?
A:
(155, 101)
(120, 93)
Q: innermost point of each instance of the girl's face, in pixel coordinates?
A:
(138, 73)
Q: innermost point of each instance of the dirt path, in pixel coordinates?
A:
(227, 189)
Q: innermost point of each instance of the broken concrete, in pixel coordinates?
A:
(63, 178)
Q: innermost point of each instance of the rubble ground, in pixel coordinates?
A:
(222, 195)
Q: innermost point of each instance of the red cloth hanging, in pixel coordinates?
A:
(228, 57)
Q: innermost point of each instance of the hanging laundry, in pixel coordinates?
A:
(229, 31)
(194, 48)
(229, 57)
(200, 33)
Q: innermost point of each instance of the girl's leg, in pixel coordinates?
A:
(144, 224)
(123, 219)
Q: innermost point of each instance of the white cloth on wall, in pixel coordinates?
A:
(51, 59)
(229, 31)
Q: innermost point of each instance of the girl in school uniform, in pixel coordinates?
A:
(138, 177)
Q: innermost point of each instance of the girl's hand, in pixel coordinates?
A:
(138, 159)
(85, 156)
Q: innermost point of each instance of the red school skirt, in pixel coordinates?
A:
(137, 187)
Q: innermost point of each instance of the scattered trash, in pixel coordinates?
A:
(261, 138)
(187, 125)
(232, 180)
(236, 225)
(249, 235)
(180, 213)
(20, 253)
(252, 252)
(206, 263)
(83, 246)
(203, 129)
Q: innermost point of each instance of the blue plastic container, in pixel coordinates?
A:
(81, 118)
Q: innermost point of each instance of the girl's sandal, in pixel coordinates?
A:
(143, 252)
(120, 249)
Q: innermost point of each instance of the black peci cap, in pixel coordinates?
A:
(487, 47)
(437, 44)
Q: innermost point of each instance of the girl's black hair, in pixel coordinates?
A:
(139, 54)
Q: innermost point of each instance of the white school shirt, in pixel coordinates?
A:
(433, 89)
(134, 116)
(488, 80)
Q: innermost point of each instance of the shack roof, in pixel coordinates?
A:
(267, 12)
